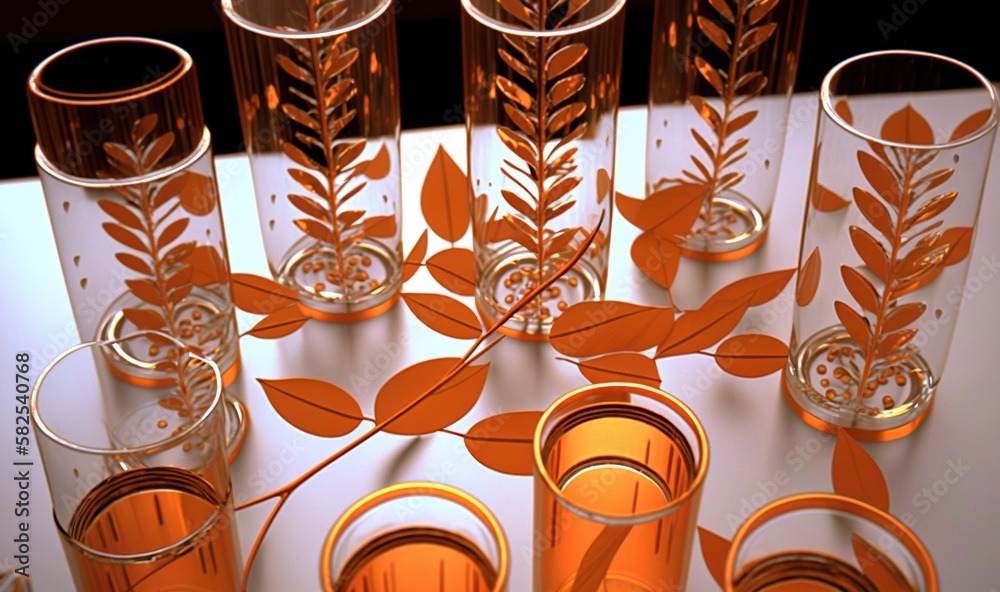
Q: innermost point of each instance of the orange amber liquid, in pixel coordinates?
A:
(613, 460)
(165, 529)
(803, 572)
(418, 559)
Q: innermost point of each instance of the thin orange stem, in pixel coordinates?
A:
(470, 356)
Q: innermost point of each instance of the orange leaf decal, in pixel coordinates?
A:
(700, 329)
(809, 278)
(444, 198)
(380, 226)
(121, 213)
(445, 315)
(603, 184)
(314, 406)
(760, 289)
(855, 473)
(844, 111)
(825, 200)
(960, 239)
(629, 208)
(144, 319)
(860, 288)
(657, 258)
(260, 295)
(454, 269)
(627, 367)
(908, 127)
(751, 355)
(871, 252)
(595, 328)
(378, 167)
(208, 267)
(503, 442)
(874, 212)
(881, 571)
(857, 326)
(446, 405)
(881, 179)
(197, 196)
(970, 124)
(903, 315)
(416, 257)
(714, 550)
(283, 322)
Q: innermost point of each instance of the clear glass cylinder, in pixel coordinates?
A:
(822, 542)
(542, 88)
(619, 470)
(901, 155)
(327, 179)
(418, 537)
(138, 475)
(720, 87)
(125, 162)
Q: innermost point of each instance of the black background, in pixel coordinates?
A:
(429, 35)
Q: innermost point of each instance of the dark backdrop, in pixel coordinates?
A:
(430, 50)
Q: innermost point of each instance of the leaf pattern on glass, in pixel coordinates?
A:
(542, 103)
(738, 33)
(146, 222)
(331, 173)
(902, 248)
(809, 278)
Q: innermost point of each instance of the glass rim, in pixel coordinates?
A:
(502, 27)
(36, 86)
(648, 392)
(185, 543)
(244, 23)
(835, 502)
(415, 489)
(177, 438)
(827, 104)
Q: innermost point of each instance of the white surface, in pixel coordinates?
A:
(760, 451)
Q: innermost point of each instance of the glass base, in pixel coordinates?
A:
(613, 583)
(508, 278)
(366, 286)
(820, 384)
(204, 323)
(733, 229)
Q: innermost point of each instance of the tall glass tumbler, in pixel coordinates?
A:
(619, 470)
(126, 165)
(902, 150)
(816, 542)
(720, 87)
(138, 475)
(541, 86)
(318, 91)
(418, 537)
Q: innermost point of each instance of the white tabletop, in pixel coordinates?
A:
(755, 439)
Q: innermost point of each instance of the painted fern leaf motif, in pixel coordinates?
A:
(334, 177)
(168, 269)
(904, 249)
(541, 101)
(738, 32)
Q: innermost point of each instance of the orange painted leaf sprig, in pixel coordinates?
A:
(613, 334)
(902, 247)
(419, 399)
(149, 223)
(279, 303)
(329, 170)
